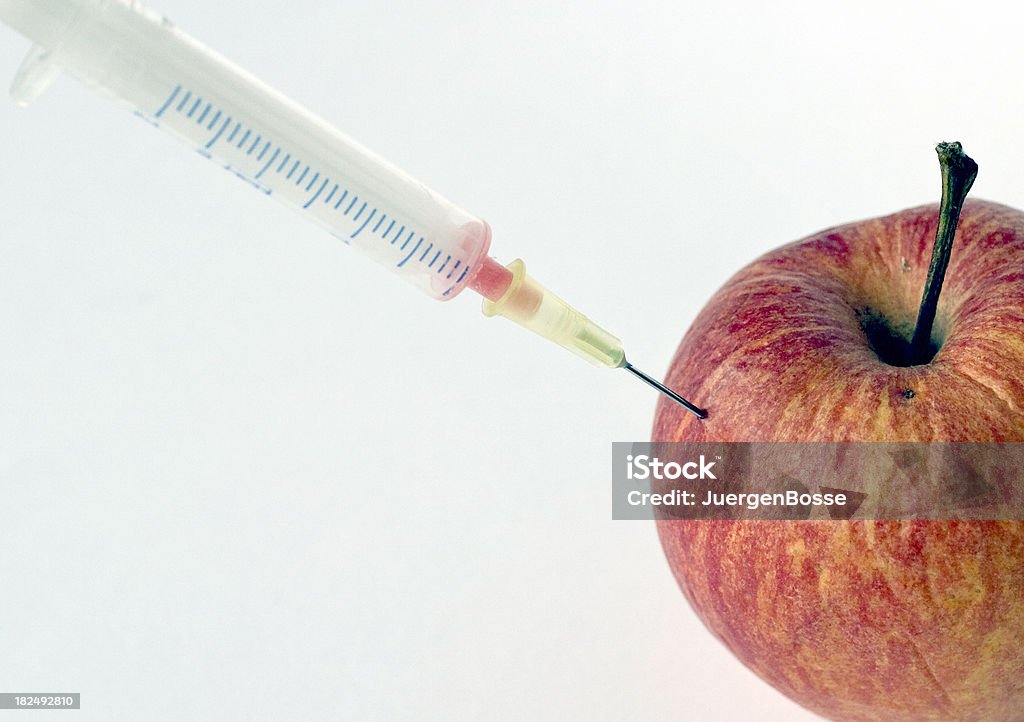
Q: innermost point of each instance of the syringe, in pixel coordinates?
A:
(283, 150)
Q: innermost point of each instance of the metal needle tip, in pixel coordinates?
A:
(698, 412)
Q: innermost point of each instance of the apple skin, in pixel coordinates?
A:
(863, 620)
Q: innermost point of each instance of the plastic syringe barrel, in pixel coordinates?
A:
(134, 54)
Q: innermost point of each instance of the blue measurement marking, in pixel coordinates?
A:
(294, 168)
(238, 127)
(402, 262)
(167, 103)
(408, 240)
(318, 192)
(213, 120)
(269, 162)
(444, 264)
(255, 143)
(245, 137)
(368, 219)
(454, 269)
(264, 151)
(315, 176)
(331, 194)
(219, 133)
(338, 202)
(434, 259)
(203, 115)
(398, 235)
(462, 275)
(287, 157)
(181, 105)
(355, 199)
(305, 172)
(379, 221)
(426, 251)
(356, 216)
(195, 107)
(390, 226)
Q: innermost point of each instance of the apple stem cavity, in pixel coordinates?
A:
(958, 174)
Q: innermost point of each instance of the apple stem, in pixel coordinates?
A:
(958, 174)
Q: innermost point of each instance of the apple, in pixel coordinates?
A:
(828, 339)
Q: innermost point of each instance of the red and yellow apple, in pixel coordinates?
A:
(864, 620)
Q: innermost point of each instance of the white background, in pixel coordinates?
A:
(244, 474)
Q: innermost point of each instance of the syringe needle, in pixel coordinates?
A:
(698, 412)
(512, 293)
